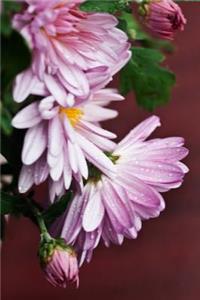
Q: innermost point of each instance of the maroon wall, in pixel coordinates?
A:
(164, 262)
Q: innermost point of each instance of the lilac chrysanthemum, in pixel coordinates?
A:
(60, 139)
(74, 52)
(112, 208)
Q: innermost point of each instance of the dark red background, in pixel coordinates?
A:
(164, 262)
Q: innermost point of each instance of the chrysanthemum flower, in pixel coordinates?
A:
(163, 17)
(61, 138)
(74, 52)
(112, 208)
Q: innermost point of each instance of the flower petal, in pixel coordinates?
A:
(35, 143)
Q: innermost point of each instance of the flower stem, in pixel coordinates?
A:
(45, 236)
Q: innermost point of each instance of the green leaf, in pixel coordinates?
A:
(132, 27)
(151, 83)
(109, 6)
(13, 204)
(15, 56)
(5, 121)
(56, 209)
(8, 8)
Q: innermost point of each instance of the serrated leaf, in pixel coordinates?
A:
(56, 209)
(151, 83)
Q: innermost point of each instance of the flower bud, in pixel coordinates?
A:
(59, 262)
(163, 17)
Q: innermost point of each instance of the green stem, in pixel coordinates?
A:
(40, 221)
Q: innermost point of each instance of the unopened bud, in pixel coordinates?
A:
(163, 17)
(59, 262)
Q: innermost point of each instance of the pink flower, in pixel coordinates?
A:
(61, 267)
(112, 208)
(74, 52)
(164, 18)
(61, 138)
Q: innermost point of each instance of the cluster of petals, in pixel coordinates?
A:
(59, 140)
(62, 269)
(74, 52)
(164, 18)
(113, 207)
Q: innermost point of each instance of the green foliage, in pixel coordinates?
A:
(5, 121)
(8, 8)
(151, 83)
(109, 6)
(56, 209)
(15, 205)
(19, 205)
(15, 56)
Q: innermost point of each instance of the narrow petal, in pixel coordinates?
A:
(27, 117)
(23, 86)
(56, 89)
(93, 213)
(35, 143)
(25, 179)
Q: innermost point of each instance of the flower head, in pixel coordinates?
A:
(112, 208)
(69, 59)
(59, 263)
(163, 17)
(60, 138)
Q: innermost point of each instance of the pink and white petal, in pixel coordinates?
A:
(155, 172)
(141, 193)
(35, 142)
(72, 156)
(67, 171)
(163, 154)
(115, 207)
(110, 235)
(57, 170)
(82, 164)
(75, 77)
(95, 113)
(23, 85)
(96, 156)
(101, 142)
(68, 129)
(41, 170)
(169, 142)
(96, 129)
(93, 213)
(140, 132)
(55, 136)
(25, 179)
(73, 221)
(105, 96)
(56, 89)
(27, 117)
(183, 167)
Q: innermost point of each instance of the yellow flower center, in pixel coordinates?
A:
(73, 114)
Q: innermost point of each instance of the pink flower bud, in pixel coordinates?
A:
(62, 268)
(163, 17)
(59, 262)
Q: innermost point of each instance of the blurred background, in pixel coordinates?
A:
(164, 262)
